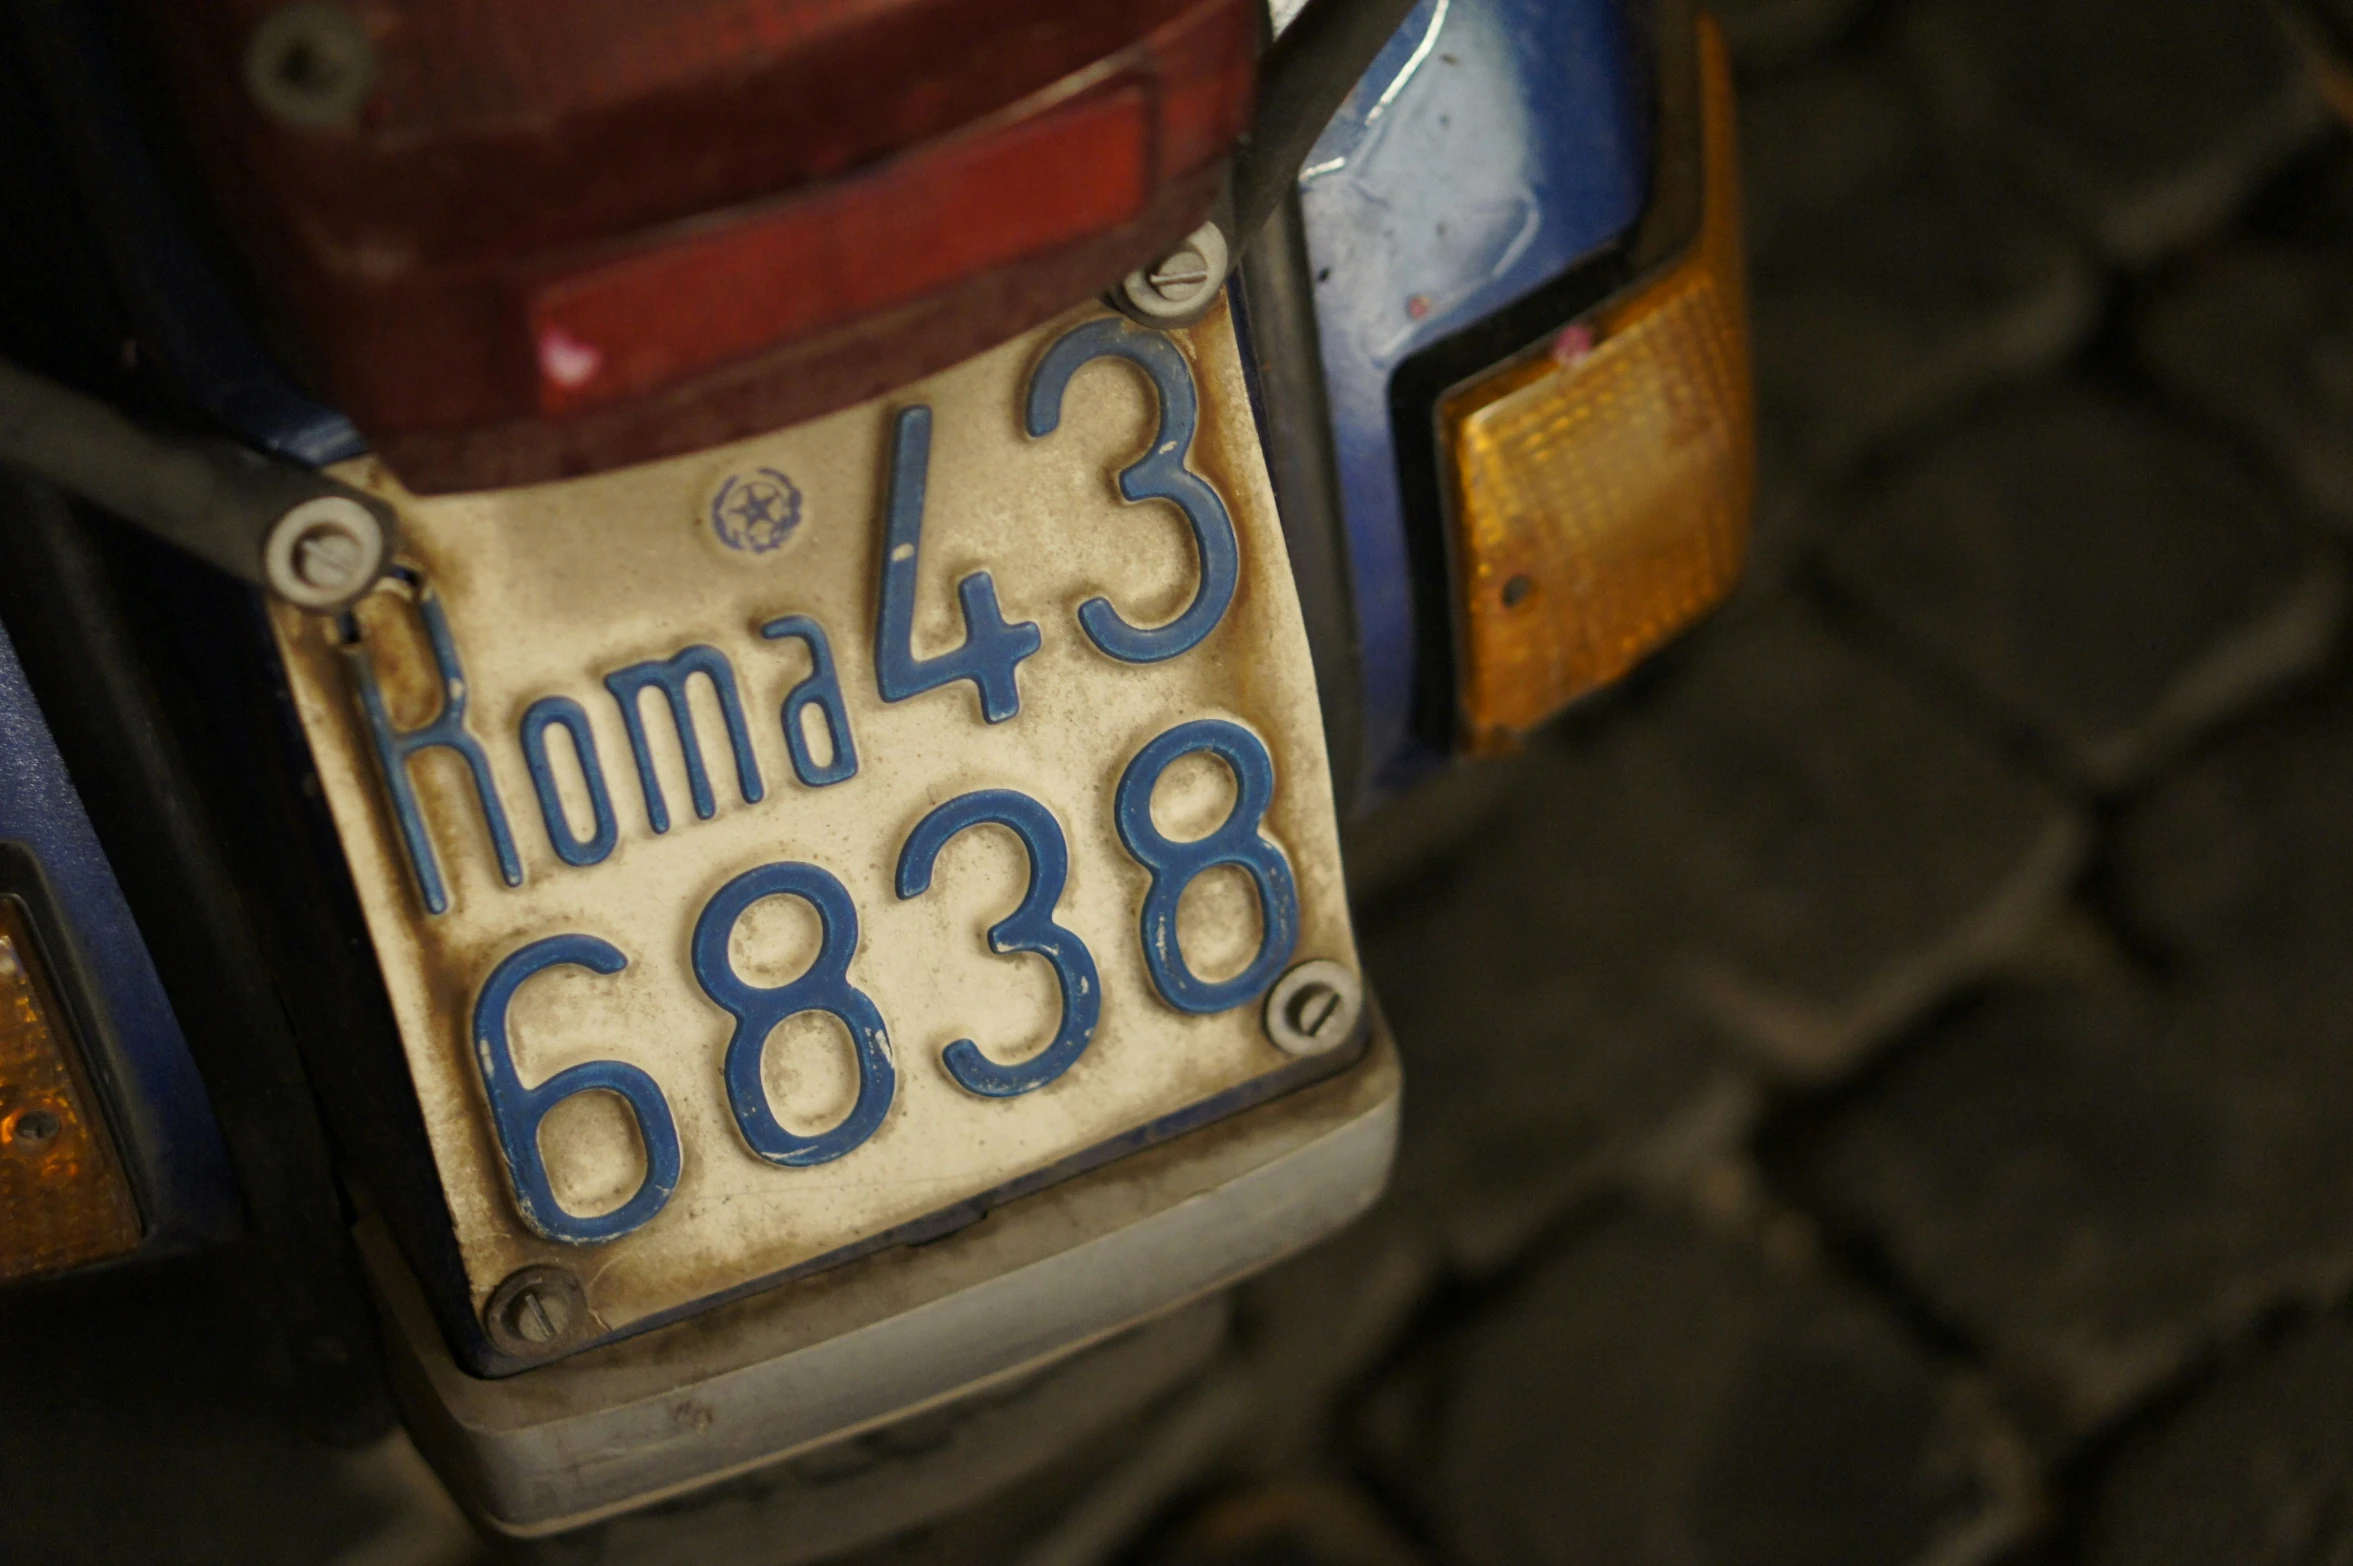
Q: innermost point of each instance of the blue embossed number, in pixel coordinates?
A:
(1029, 928)
(992, 650)
(517, 1112)
(758, 1010)
(1175, 865)
(1160, 474)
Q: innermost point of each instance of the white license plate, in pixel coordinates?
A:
(781, 850)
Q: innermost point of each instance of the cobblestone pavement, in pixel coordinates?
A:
(1881, 1087)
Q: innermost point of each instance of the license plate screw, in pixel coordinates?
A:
(1314, 1007)
(535, 1312)
(327, 560)
(325, 552)
(311, 64)
(1179, 285)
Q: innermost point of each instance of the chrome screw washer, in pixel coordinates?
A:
(1180, 285)
(535, 1312)
(1315, 1007)
(324, 553)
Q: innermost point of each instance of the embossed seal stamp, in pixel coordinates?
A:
(756, 511)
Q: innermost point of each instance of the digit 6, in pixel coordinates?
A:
(517, 1112)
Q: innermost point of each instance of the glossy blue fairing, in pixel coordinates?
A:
(160, 1112)
(1494, 145)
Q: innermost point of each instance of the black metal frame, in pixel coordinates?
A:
(1303, 78)
(1275, 305)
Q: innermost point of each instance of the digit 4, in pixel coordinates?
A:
(993, 648)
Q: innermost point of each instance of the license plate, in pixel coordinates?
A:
(793, 848)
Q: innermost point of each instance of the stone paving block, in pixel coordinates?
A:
(1767, 33)
(1890, 285)
(1788, 520)
(1406, 838)
(2255, 1469)
(2259, 338)
(2312, 203)
(1787, 855)
(1541, 1065)
(999, 1529)
(1310, 1328)
(1878, 315)
(1818, 138)
(1293, 1523)
(1656, 1393)
(2242, 862)
(2097, 1187)
(1835, 852)
(2147, 121)
(2101, 574)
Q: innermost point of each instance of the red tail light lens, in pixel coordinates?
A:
(522, 239)
(645, 320)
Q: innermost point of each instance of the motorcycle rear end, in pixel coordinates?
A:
(681, 683)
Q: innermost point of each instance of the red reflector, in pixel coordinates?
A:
(544, 237)
(1204, 100)
(640, 322)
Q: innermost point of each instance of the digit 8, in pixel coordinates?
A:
(758, 1010)
(1176, 865)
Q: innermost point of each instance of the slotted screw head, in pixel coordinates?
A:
(535, 1312)
(1179, 276)
(1314, 1007)
(1179, 284)
(327, 559)
(325, 552)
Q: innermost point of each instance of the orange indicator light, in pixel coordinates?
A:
(1602, 485)
(64, 1200)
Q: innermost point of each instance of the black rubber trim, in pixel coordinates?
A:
(1303, 78)
(1275, 306)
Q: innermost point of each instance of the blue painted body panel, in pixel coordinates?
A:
(163, 1114)
(1493, 145)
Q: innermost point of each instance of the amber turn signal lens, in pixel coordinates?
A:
(1602, 489)
(64, 1200)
